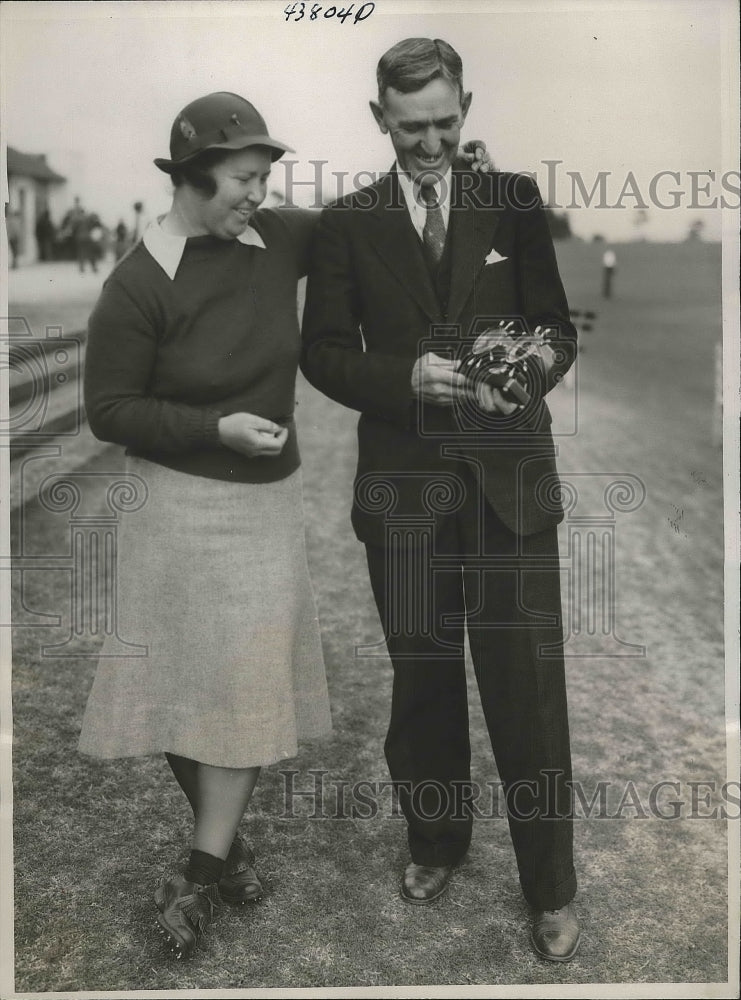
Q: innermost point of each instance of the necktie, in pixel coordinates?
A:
(433, 235)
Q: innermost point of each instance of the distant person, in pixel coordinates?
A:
(122, 239)
(138, 217)
(45, 234)
(96, 237)
(609, 265)
(77, 224)
(74, 218)
(14, 230)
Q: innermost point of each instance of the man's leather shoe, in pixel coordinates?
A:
(555, 934)
(186, 909)
(422, 883)
(239, 883)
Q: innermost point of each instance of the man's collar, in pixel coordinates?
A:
(416, 206)
(410, 189)
(167, 249)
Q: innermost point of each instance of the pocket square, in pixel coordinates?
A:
(493, 257)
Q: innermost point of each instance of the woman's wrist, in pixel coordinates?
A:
(211, 421)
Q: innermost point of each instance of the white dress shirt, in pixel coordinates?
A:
(418, 209)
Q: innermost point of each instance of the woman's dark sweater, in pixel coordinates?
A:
(167, 358)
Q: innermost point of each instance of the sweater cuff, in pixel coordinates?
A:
(207, 431)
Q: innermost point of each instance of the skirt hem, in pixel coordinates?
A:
(197, 755)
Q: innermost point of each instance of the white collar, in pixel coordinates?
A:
(167, 249)
(417, 210)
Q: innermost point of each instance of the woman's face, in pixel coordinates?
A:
(241, 186)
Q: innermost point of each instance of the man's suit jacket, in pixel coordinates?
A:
(372, 310)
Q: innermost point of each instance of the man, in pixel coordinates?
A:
(454, 495)
(14, 226)
(609, 260)
(78, 224)
(45, 233)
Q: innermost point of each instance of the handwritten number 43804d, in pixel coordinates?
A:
(315, 11)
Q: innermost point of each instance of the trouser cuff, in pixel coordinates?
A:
(437, 855)
(550, 898)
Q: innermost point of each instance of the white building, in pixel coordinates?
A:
(32, 187)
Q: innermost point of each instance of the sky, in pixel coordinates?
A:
(562, 90)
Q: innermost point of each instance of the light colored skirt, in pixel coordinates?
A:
(213, 583)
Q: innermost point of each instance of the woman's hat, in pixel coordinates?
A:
(217, 121)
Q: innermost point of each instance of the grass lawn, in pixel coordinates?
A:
(93, 838)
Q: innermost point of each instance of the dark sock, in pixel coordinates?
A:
(203, 868)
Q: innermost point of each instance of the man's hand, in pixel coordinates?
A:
(435, 380)
(474, 155)
(493, 338)
(491, 400)
(251, 435)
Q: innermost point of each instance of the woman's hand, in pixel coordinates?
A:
(474, 155)
(251, 435)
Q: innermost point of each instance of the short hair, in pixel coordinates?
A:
(412, 63)
(197, 172)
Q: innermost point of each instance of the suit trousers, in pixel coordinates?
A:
(474, 572)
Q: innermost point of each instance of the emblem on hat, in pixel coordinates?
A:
(187, 129)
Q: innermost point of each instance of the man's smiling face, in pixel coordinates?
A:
(425, 126)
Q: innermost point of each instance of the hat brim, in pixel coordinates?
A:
(277, 149)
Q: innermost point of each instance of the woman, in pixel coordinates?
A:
(191, 364)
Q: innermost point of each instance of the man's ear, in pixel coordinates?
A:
(379, 116)
(466, 104)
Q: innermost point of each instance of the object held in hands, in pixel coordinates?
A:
(510, 360)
